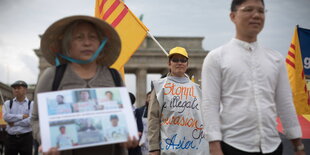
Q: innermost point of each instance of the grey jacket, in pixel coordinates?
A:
(174, 117)
(71, 80)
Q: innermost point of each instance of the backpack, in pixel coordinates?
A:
(60, 70)
(11, 104)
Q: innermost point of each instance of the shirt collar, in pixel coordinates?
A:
(183, 79)
(25, 100)
(247, 46)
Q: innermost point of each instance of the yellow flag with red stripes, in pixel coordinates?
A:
(130, 29)
(296, 76)
(2, 122)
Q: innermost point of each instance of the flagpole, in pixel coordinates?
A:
(157, 43)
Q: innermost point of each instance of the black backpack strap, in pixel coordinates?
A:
(11, 103)
(60, 70)
(29, 103)
(116, 77)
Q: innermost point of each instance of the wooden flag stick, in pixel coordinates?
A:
(157, 43)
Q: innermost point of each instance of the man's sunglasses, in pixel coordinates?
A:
(175, 60)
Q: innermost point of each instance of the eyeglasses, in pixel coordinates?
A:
(175, 60)
(251, 10)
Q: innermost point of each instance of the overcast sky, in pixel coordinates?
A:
(22, 21)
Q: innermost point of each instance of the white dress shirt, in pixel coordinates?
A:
(64, 141)
(244, 88)
(15, 114)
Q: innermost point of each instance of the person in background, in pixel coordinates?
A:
(63, 140)
(85, 47)
(17, 114)
(109, 103)
(62, 106)
(136, 150)
(175, 124)
(244, 88)
(85, 103)
(116, 131)
(87, 125)
(141, 115)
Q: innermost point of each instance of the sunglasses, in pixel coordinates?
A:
(175, 60)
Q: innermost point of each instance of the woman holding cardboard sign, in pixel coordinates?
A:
(83, 48)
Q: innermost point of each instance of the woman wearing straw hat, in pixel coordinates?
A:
(87, 46)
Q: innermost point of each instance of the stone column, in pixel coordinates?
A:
(141, 75)
(197, 74)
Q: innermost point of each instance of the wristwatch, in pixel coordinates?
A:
(299, 147)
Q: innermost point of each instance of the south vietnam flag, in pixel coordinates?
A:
(304, 121)
(130, 29)
(296, 74)
(2, 122)
(298, 53)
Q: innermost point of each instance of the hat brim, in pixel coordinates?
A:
(51, 41)
(16, 85)
(172, 54)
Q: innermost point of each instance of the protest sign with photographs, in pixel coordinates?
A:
(78, 118)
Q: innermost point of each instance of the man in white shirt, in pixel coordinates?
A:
(64, 140)
(17, 114)
(61, 107)
(244, 88)
(116, 132)
(108, 102)
(85, 103)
